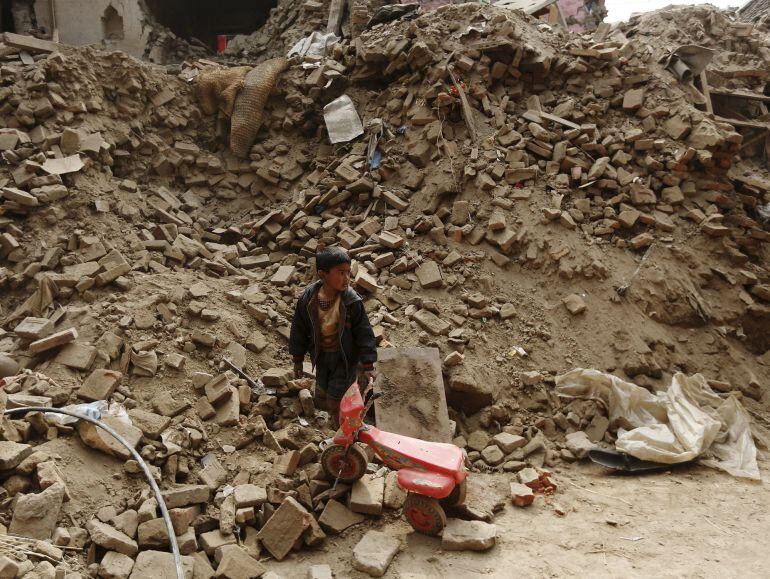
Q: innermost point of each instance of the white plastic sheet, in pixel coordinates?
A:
(93, 410)
(314, 45)
(687, 421)
(342, 120)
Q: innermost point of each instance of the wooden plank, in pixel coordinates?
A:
(414, 401)
(744, 124)
(466, 108)
(527, 6)
(30, 43)
(704, 83)
(753, 140)
(740, 94)
(755, 182)
(336, 11)
(561, 20)
(561, 121)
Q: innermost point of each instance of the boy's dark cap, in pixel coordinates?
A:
(329, 257)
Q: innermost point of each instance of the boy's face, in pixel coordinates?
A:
(337, 278)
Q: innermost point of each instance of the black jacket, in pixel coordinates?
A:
(357, 342)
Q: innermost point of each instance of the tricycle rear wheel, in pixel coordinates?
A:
(424, 514)
(457, 496)
(348, 464)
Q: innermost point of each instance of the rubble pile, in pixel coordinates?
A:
(514, 184)
(741, 53)
(288, 22)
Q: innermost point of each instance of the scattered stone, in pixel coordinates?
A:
(115, 565)
(100, 385)
(160, 565)
(492, 455)
(96, 438)
(8, 366)
(111, 539)
(12, 454)
(283, 529)
(597, 428)
(394, 496)
(9, 569)
(528, 476)
(213, 540)
(53, 341)
(578, 443)
(76, 356)
(429, 275)
(249, 495)
(336, 517)
(319, 572)
(522, 495)
(186, 495)
(236, 563)
(574, 304)
(286, 464)
(507, 311)
(374, 553)
(478, 440)
(275, 377)
(35, 515)
(508, 442)
(367, 494)
(468, 536)
(432, 323)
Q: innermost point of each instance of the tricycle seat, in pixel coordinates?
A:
(405, 452)
(430, 484)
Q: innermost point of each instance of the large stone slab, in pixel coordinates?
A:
(35, 515)
(414, 402)
(284, 528)
(95, 437)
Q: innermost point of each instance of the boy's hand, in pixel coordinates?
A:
(367, 376)
(298, 370)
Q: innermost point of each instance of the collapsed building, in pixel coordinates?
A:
(161, 30)
(517, 199)
(755, 10)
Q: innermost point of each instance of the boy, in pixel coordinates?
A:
(331, 324)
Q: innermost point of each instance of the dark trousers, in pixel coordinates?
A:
(333, 378)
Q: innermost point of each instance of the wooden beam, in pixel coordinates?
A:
(739, 94)
(704, 83)
(54, 25)
(336, 12)
(753, 140)
(561, 121)
(744, 124)
(30, 43)
(466, 108)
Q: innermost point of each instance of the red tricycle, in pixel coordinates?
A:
(432, 473)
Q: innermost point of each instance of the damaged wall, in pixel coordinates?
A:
(755, 10)
(115, 24)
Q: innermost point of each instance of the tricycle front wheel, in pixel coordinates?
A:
(349, 464)
(424, 514)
